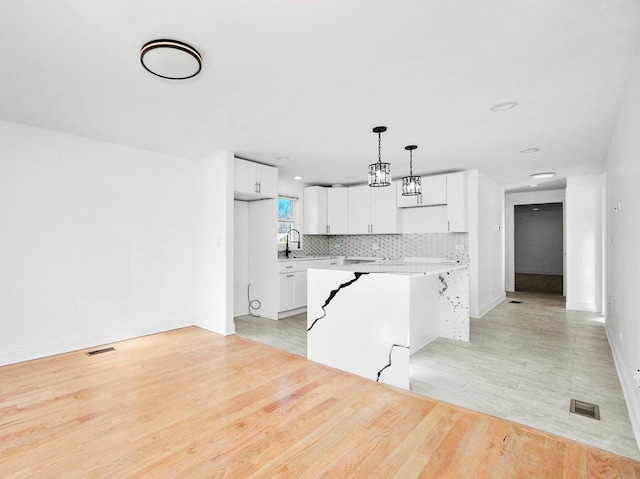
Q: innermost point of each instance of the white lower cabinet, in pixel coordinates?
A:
(293, 282)
(288, 291)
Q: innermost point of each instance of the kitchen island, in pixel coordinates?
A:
(368, 318)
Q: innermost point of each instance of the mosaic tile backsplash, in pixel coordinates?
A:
(425, 245)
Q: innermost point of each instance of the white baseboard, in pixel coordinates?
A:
(291, 312)
(52, 348)
(491, 304)
(627, 387)
(590, 307)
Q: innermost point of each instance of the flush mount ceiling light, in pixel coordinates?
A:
(411, 184)
(170, 59)
(529, 150)
(546, 174)
(380, 173)
(507, 105)
(297, 177)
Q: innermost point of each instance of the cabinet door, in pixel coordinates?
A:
(315, 210)
(457, 202)
(267, 179)
(434, 190)
(384, 214)
(300, 289)
(337, 203)
(287, 291)
(244, 180)
(360, 210)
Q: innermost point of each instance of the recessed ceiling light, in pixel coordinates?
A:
(282, 158)
(507, 105)
(170, 59)
(546, 174)
(529, 150)
(297, 177)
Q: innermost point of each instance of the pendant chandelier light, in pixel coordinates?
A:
(411, 184)
(379, 173)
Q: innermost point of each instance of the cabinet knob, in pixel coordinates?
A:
(289, 276)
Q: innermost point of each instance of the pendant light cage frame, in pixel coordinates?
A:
(379, 173)
(411, 185)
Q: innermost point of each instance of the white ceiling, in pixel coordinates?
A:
(308, 80)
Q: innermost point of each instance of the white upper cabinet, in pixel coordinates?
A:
(253, 181)
(434, 192)
(384, 214)
(337, 204)
(315, 210)
(359, 210)
(457, 203)
(325, 211)
(372, 210)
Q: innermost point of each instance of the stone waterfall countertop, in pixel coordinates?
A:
(400, 267)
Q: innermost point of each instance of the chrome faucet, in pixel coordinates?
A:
(286, 249)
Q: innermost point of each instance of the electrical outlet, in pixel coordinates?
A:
(459, 246)
(337, 246)
(374, 246)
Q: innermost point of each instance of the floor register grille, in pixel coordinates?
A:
(585, 409)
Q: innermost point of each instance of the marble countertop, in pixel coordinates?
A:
(399, 267)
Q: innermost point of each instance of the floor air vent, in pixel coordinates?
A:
(100, 351)
(585, 409)
(515, 302)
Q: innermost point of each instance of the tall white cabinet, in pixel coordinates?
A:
(254, 181)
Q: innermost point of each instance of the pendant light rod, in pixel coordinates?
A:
(411, 148)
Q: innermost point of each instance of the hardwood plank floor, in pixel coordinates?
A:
(190, 404)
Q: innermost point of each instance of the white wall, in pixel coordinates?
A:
(526, 198)
(214, 243)
(241, 258)
(539, 241)
(490, 231)
(623, 250)
(98, 242)
(584, 242)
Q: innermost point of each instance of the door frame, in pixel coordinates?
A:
(527, 198)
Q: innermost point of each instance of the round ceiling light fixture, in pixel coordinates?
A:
(507, 105)
(529, 150)
(546, 174)
(170, 59)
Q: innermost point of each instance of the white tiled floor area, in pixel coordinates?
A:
(524, 363)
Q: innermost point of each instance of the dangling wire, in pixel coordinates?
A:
(251, 306)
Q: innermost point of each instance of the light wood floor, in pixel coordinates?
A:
(525, 362)
(192, 404)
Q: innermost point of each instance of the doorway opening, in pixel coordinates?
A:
(538, 248)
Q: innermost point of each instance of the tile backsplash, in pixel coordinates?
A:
(428, 245)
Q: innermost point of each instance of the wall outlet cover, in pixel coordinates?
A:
(375, 246)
